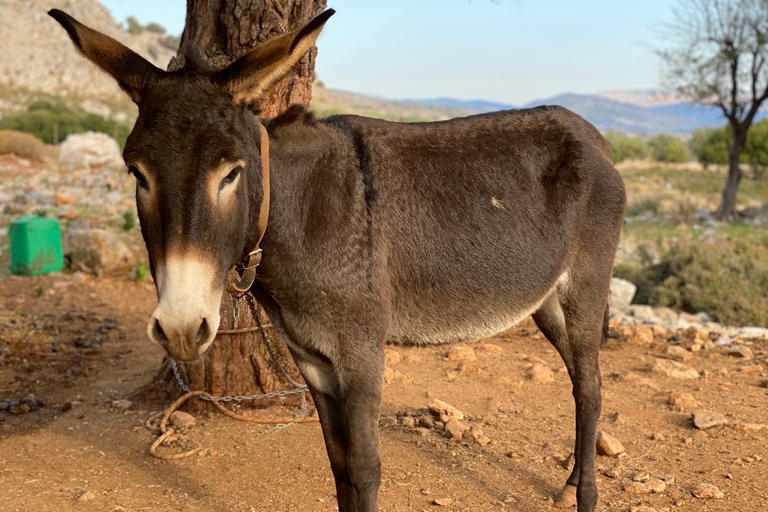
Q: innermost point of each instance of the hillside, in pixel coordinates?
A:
(37, 56)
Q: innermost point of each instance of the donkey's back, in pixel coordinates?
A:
(475, 220)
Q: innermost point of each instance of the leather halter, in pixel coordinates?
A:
(249, 264)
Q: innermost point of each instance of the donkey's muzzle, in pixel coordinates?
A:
(183, 339)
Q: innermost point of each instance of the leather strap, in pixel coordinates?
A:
(249, 264)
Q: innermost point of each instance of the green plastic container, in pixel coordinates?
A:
(35, 246)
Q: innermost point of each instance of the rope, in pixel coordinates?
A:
(304, 415)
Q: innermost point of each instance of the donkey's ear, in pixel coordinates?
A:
(133, 73)
(251, 76)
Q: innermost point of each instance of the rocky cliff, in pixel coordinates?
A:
(36, 54)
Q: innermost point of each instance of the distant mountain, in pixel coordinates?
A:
(474, 106)
(640, 111)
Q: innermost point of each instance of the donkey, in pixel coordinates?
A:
(379, 232)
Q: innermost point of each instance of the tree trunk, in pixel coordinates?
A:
(727, 208)
(241, 364)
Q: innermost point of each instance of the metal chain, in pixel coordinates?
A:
(299, 388)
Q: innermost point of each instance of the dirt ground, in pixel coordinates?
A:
(49, 456)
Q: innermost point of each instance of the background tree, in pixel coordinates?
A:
(717, 56)
(224, 30)
(666, 148)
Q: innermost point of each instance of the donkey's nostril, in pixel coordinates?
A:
(203, 333)
(158, 333)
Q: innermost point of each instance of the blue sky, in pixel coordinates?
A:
(509, 51)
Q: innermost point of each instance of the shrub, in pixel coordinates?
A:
(727, 280)
(53, 122)
(22, 144)
(627, 148)
(666, 148)
(711, 145)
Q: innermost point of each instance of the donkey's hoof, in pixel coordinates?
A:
(567, 497)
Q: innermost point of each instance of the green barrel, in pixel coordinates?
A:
(35, 246)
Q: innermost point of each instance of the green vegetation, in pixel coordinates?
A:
(666, 148)
(711, 145)
(129, 220)
(627, 148)
(728, 280)
(141, 272)
(53, 122)
(660, 148)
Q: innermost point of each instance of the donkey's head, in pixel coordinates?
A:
(194, 152)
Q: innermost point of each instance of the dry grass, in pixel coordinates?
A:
(23, 145)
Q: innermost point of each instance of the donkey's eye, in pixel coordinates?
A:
(140, 179)
(231, 176)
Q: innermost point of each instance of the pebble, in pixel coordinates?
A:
(182, 419)
(742, 352)
(674, 369)
(642, 476)
(423, 432)
(456, 428)
(409, 421)
(462, 353)
(392, 376)
(644, 508)
(643, 335)
(704, 419)
(490, 347)
(708, 492)
(652, 486)
(614, 472)
(608, 445)
(540, 373)
(85, 496)
(443, 502)
(410, 358)
(682, 401)
(391, 356)
(443, 409)
(387, 421)
(122, 404)
(678, 354)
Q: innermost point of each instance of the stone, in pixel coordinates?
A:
(708, 492)
(622, 293)
(90, 149)
(61, 198)
(678, 353)
(643, 335)
(644, 508)
(122, 404)
(540, 373)
(443, 502)
(410, 358)
(653, 486)
(752, 332)
(391, 357)
(421, 432)
(659, 331)
(490, 347)
(704, 419)
(85, 496)
(98, 252)
(642, 476)
(394, 376)
(387, 421)
(608, 445)
(408, 421)
(182, 419)
(748, 427)
(741, 352)
(467, 368)
(462, 353)
(614, 472)
(674, 369)
(682, 402)
(763, 383)
(441, 409)
(643, 313)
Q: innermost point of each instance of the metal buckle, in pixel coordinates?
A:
(248, 275)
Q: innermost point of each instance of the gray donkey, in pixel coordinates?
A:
(379, 232)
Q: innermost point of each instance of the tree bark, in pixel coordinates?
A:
(241, 364)
(727, 208)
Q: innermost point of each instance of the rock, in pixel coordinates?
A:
(182, 419)
(90, 149)
(708, 492)
(443, 502)
(622, 293)
(704, 419)
(642, 476)
(490, 347)
(674, 369)
(748, 427)
(392, 376)
(678, 353)
(462, 353)
(643, 313)
(763, 383)
(387, 421)
(420, 431)
(608, 445)
(456, 428)
(61, 198)
(682, 401)
(741, 351)
(643, 335)
(85, 496)
(443, 409)
(408, 421)
(614, 472)
(467, 368)
(659, 331)
(752, 332)
(410, 358)
(644, 508)
(540, 373)
(652, 486)
(122, 404)
(98, 252)
(391, 356)
(704, 317)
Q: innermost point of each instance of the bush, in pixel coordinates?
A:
(22, 144)
(711, 145)
(666, 148)
(727, 280)
(627, 148)
(53, 122)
